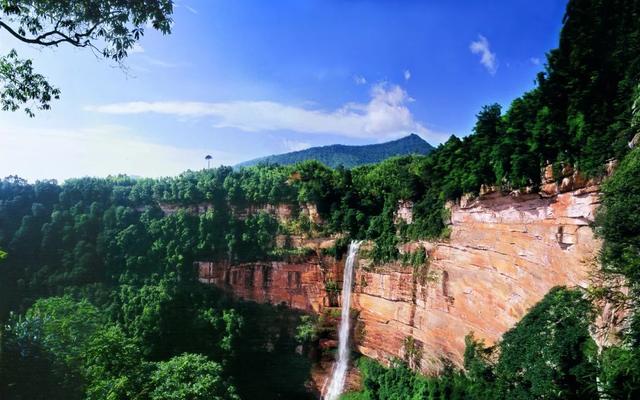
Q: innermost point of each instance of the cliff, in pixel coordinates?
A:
(504, 253)
(300, 285)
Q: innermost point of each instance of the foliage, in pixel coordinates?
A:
(78, 353)
(52, 338)
(550, 353)
(267, 363)
(190, 377)
(307, 331)
(618, 223)
(113, 366)
(399, 383)
(19, 85)
(412, 352)
(619, 219)
(109, 28)
(620, 374)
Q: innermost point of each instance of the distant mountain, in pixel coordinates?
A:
(349, 156)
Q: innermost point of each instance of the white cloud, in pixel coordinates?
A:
(37, 153)
(292, 145)
(359, 80)
(136, 49)
(487, 58)
(161, 63)
(407, 74)
(191, 9)
(385, 115)
(186, 6)
(535, 61)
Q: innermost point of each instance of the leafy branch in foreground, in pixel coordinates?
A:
(21, 85)
(110, 28)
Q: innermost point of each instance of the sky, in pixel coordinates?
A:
(246, 78)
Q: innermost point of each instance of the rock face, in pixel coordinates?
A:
(297, 285)
(282, 212)
(404, 212)
(170, 209)
(503, 256)
(505, 252)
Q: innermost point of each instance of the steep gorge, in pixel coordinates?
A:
(505, 252)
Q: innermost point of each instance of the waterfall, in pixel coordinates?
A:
(340, 369)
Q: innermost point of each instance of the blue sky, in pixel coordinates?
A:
(241, 79)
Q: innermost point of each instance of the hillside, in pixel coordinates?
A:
(349, 156)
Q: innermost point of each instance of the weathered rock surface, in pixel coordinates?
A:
(298, 285)
(404, 212)
(504, 255)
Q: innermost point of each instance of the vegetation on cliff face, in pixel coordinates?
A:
(618, 223)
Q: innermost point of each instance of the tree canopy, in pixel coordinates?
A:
(109, 28)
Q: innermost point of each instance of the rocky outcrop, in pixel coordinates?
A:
(282, 212)
(170, 209)
(504, 254)
(404, 212)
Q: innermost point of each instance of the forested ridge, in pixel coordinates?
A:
(349, 156)
(100, 298)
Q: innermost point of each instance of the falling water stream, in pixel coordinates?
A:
(340, 370)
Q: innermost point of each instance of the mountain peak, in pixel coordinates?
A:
(349, 156)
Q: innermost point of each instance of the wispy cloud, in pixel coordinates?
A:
(359, 80)
(407, 74)
(487, 58)
(136, 49)
(293, 145)
(191, 9)
(161, 63)
(385, 115)
(535, 61)
(186, 6)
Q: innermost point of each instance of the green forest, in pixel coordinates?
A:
(349, 156)
(99, 296)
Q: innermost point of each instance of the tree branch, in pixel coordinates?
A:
(40, 39)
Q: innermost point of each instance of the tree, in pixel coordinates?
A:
(190, 377)
(549, 353)
(113, 366)
(51, 339)
(619, 220)
(110, 28)
(618, 223)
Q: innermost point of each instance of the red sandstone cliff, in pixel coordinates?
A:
(504, 254)
(297, 285)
